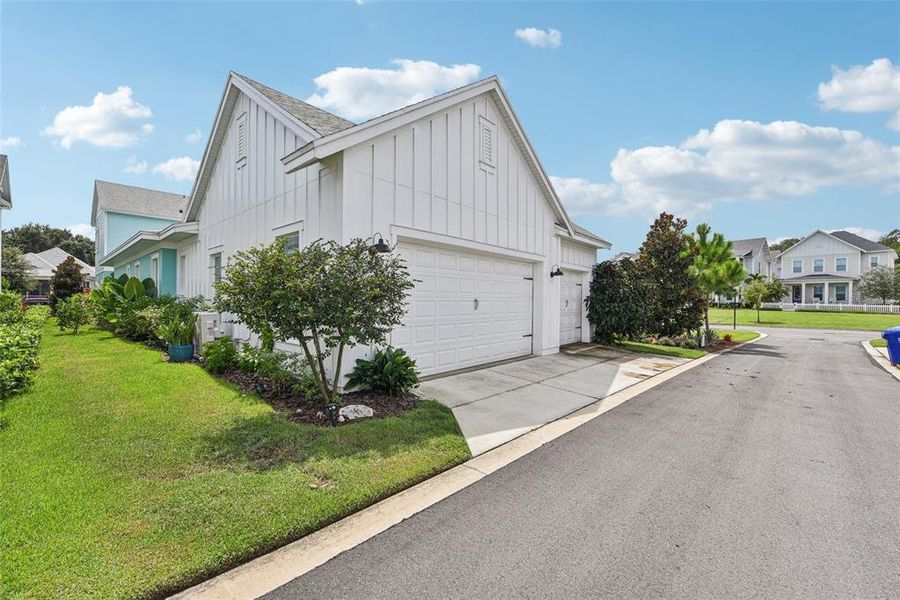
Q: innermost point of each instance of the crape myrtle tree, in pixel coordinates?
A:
(761, 289)
(327, 296)
(881, 282)
(674, 303)
(714, 268)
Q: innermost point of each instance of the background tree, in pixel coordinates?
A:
(16, 270)
(892, 240)
(67, 280)
(881, 282)
(783, 245)
(674, 303)
(36, 237)
(616, 301)
(713, 267)
(761, 290)
(326, 296)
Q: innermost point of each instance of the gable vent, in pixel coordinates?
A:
(488, 147)
(240, 140)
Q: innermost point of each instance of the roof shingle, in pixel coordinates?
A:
(859, 241)
(117, 197)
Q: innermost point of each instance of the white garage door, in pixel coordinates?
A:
(466, 309)
(570, 307)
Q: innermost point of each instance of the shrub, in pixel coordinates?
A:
(727, 338)
(690, 344)
(391, 370)
(615, 303)
(74, 312)
(219, 356)
(10, 302)
(67, 280)
(285, 372)
(19, 339)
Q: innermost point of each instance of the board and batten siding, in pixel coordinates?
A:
(821, 246)
(428, 176)
(578, 255)
(249, 204)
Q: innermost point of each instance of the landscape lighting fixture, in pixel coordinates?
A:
(555, 271)
(379, 247)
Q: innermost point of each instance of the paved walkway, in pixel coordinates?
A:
(498, 404)
(768, 472)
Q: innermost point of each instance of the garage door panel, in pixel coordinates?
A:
(443, 328)
(570, 310)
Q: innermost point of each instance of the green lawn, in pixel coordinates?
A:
(879, 343)
(126, 476)
(739, 336)
(815, 320)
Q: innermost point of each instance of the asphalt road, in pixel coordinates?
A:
(771, 472)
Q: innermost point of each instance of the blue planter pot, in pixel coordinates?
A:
(180, 352)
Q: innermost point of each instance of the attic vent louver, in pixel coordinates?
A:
(240, 140)
(488, 144)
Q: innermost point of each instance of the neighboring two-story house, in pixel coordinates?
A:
(825, 267)
(753, 254)
(120, 212)
(451, 183)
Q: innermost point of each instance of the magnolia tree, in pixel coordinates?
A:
(327, 296)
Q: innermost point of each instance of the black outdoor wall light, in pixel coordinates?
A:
(555, 271)
(380, 246)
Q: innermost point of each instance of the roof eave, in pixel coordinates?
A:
(174, 233)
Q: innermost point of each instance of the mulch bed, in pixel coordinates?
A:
(302, 410)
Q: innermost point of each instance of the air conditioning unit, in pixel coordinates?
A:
(209, 327)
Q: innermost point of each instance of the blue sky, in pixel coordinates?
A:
(615, 103)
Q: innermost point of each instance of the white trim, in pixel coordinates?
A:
(573, 267)
(287, 228)
(189, 228)
(846, 264)
(323, 147)
(439, 239)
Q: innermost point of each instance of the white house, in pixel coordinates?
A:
(754, 254)
(43, 264)
(824, 267)
(5, 202)
(452, 183)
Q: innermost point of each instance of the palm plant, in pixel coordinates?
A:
(714, 268)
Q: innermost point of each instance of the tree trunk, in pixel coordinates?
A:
(757, 313)
(316, 373)
(337, 370)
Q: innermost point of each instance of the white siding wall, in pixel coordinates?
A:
(824, 247)
(426, 177)
(243, 206)
(574, 254)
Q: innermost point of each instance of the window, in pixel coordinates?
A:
(215, 263)
(154, 269)
(873, 261)
(840, 292)
(487, 152)
(291, 241)
(797, 266)
(817, 292)
(818, 265)
(840, 264)
(240, 140)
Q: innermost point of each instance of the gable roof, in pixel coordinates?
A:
(742, 248)
(322, 121)
(43, 263)
(128, 199)
(860, 242)
(320, 148)
(304, 119)
(5, 192)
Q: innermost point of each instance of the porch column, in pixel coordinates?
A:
(802, 293)
(850, 292)
(825, 293)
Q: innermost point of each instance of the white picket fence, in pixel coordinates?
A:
(886, 309)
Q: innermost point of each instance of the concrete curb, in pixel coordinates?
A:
(273, 570)
(876, 356)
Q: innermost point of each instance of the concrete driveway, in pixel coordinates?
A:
(500, 403)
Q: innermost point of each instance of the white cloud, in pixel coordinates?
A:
(10, 142)
(540, 38)
(135, 166)
(869, 234)
(183, 168)
(82, 229)
(112, 120)
(735, 161)
(359, 93)
(864, 89)
(193, 137)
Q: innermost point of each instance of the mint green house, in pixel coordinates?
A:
(124, 213)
